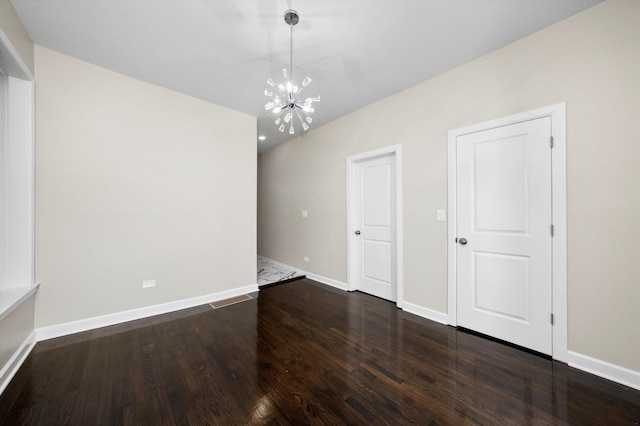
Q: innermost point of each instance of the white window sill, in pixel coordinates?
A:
(11, 298)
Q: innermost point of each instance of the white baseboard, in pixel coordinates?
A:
(64, 329)
(13, 365)
(615, 373)
(423, 312)
(328, 281)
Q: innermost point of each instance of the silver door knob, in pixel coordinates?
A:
(358, 232)
(462, 241)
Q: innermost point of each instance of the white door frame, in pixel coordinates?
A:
(351, 212)
(557, 113)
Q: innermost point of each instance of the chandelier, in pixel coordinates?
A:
(285, 98)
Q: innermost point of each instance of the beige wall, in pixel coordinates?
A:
(135, 182)
(591, 61)
(12, 26)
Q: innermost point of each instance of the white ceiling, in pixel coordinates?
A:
(356, 51)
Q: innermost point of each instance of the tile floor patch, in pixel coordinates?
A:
(269, 272)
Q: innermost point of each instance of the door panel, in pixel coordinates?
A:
(501, 284)
(379, 270)
(376, 188)
(375, 213)
(504, 211)
(500, 180)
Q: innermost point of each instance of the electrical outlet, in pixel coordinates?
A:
(442, 216)
(306, 259)
(148, 284)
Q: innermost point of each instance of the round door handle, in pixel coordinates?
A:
(358, 232)
(462, 241)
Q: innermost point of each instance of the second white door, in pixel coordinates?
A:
(374, 227)
(504, 250)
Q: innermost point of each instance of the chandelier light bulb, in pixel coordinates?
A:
(268, 92)
(285, 74)
(306, 82)
(271, 83)
(278, 120)
(309, 119)
(305, 126)
(281, 128)
(291, 131)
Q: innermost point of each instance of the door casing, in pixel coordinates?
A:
(557, 113)
(351, 212)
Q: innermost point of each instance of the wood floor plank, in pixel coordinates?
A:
(301, 353)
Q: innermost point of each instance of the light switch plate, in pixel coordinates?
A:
(304, 213)
(442, 216)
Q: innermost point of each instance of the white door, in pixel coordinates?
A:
(374, 227)
(504, 250)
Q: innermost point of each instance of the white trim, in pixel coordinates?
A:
(328, 281)
(11, 298)
(427, 313)
(19, 356)
(604, 369)
(64, 329)
(19, 186)
(351, 184)
(324, 280)
(452, 311)
(400, 231)
(557, 113)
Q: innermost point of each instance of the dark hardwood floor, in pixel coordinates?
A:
(302, 353)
